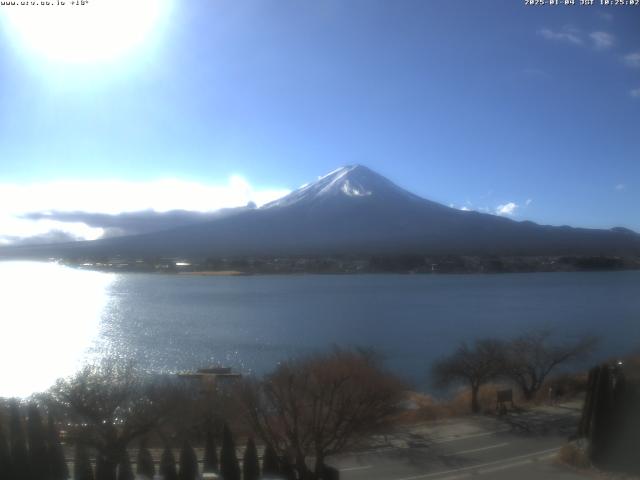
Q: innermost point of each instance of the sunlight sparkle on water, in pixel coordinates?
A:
(50, 316)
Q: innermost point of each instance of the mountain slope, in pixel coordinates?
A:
(354, 210)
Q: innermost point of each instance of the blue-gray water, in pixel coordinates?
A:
(55, 318)
(180, 322)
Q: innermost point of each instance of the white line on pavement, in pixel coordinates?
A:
(475, 435)
(351, 469)
(476, 449)
(512, 465)
(435, 442)
(457, 477)
(495, 469)
(482, 465)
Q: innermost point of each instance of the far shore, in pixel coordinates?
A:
(354, 264)
(214, 273)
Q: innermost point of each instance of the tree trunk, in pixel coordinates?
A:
(303, 471)
(319, 469)
(600, 432)
(587, 409)
(110, 458)
(475, 405)
(528, 393)
(106, 468)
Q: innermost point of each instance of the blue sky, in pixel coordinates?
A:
(478, 105)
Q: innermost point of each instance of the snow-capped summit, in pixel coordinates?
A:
(351, 181)
(352, 210)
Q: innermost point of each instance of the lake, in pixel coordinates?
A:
(55, 318)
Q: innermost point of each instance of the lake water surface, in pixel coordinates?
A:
(176, 322)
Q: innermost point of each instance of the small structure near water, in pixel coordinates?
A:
(212, 378)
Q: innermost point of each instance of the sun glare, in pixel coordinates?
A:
(48, 338)
(98, 31)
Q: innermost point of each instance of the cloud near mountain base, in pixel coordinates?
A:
(86, 210)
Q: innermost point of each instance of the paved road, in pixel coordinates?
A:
(520, 446)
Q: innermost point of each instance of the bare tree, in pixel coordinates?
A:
(532, 356)
(109, 405)
(473, 366)
(320, 406)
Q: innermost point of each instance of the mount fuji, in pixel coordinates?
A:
(352, 210)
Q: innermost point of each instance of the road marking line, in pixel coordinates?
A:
(457, 477)
(476, 449)
(475, 435)
(476, 467)
(505, 467)
(351, 469)
(515, 464)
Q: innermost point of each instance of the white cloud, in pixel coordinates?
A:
(466, 207)
(113, 197)
(635, 93)
(13, 230)
(606, 16)
(507, 209)
(632, 59)
(528, 202)
(602, 40)
(566, 34)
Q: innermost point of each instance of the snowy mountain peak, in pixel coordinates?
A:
(351, 181)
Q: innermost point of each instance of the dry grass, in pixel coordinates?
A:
(574, 456)
(427, 408)
(566, 385)
(632, 367)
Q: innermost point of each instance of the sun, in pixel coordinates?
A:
(97, 31)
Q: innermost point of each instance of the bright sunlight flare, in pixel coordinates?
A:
(51, 337)
(94, 32)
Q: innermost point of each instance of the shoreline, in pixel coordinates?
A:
(352, 265)
(212, 273)
(296, 272)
